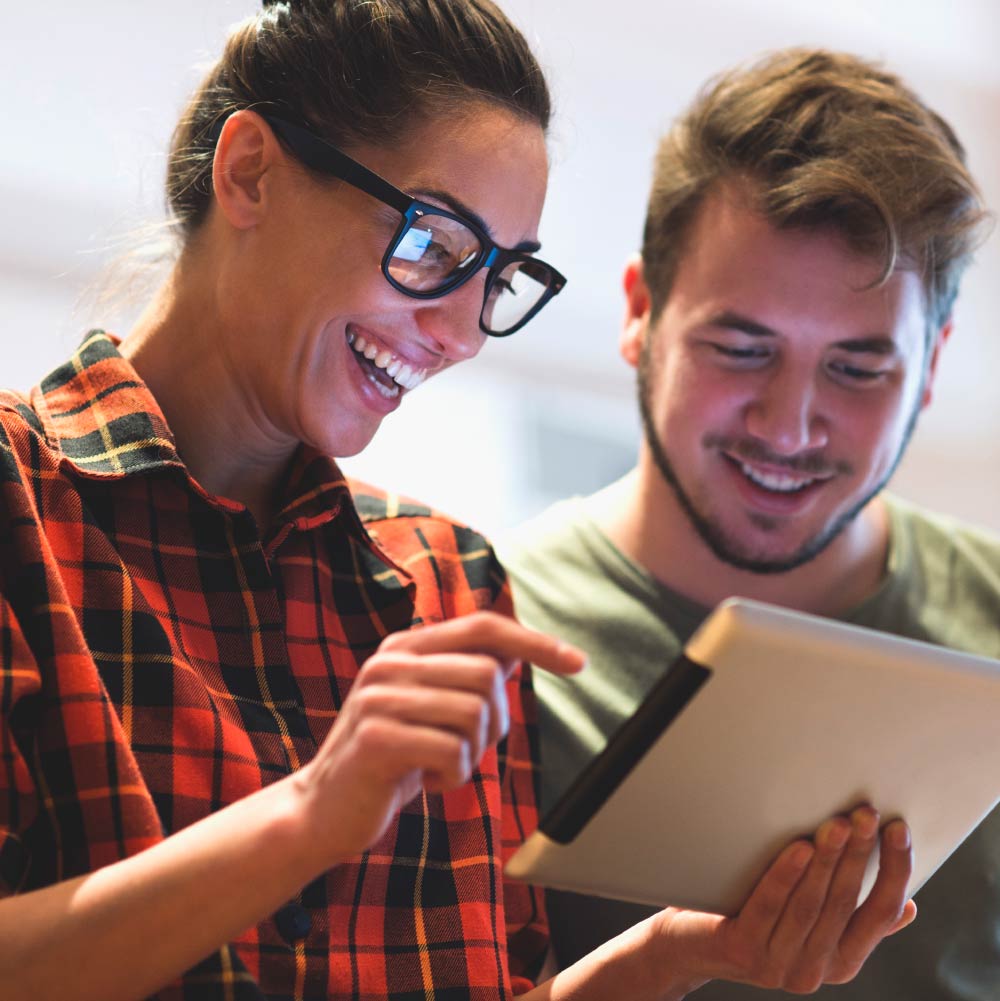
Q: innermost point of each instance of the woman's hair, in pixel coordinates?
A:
(825, 140)
(354, 72)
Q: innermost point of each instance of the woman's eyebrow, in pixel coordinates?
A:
(460, 208)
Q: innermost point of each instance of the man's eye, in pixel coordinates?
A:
(855, 372)
(728, 351)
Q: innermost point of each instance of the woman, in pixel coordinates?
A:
(231, 766)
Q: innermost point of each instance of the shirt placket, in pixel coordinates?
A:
(279, 699)
(274, 690)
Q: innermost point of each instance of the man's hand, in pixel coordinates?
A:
(802, 926)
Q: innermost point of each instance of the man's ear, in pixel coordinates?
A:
(637, 307)
(937, 344)
(244, 154)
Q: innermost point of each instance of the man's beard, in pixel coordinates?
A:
(725, 546)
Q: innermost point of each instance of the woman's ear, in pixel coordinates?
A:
(244, 154)
(637, 306)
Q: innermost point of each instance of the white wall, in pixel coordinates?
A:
(93, 90)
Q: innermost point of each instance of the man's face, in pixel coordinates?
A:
(778, 389)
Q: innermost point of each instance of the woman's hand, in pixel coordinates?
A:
(425, 707)
(802, 926)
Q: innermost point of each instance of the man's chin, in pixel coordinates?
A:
(768, 557)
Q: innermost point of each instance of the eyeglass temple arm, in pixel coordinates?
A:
(327, 159)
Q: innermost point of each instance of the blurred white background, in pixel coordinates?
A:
(92, 92)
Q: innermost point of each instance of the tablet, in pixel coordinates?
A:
(768, 723)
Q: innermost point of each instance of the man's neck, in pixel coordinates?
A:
(651, 528)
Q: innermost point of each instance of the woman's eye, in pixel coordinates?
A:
(438, 253)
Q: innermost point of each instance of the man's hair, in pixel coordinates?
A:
(826, 140)
(355, 72)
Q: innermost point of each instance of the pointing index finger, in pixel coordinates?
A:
(492, 634)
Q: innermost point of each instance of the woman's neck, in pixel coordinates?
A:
(179, 348)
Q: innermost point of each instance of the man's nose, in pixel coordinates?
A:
(784, 414)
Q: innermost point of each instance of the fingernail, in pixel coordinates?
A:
(835, 834)
(865, 821)
(801, 854)
(899, 835)
(577, 658)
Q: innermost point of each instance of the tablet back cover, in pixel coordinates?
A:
(771, 722)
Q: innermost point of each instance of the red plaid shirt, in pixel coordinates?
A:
(159, 660)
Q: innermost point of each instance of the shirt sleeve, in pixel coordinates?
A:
(527, 926)
(19, 683)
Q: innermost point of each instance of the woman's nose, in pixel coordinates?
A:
(452, 322)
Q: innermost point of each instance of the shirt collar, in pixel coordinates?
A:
(105, 424)
(100, 416)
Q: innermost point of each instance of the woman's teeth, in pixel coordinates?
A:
(401, 373)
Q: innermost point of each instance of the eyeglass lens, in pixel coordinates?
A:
(433, 252)
(514, 294)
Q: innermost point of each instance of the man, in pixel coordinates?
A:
(809, 221)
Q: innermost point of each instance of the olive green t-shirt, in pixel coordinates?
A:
(942, 586)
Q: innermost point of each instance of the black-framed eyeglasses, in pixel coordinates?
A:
(434, 251)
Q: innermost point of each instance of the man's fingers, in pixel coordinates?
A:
(906, 918)
(808, 900)
(842, 895)
(886, 909)
(763, 910)
(496, 635)
(801, 926)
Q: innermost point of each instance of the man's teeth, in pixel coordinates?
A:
(779, 482)
(397, 370)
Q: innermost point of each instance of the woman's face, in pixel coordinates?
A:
(321, 345)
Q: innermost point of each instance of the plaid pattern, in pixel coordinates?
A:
(158, 660)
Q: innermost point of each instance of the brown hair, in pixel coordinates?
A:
(354, 71)
(826, 140)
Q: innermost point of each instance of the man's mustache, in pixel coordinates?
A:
(812, 463)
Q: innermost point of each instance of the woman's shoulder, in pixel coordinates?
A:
(24, 446)
(426, 542)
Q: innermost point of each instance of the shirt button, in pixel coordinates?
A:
(293, 922)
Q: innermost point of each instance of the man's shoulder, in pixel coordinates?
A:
(561, 564)
(943, 584)
(933, 532)
(552, 534)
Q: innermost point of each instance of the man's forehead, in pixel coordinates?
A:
(736, 262)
